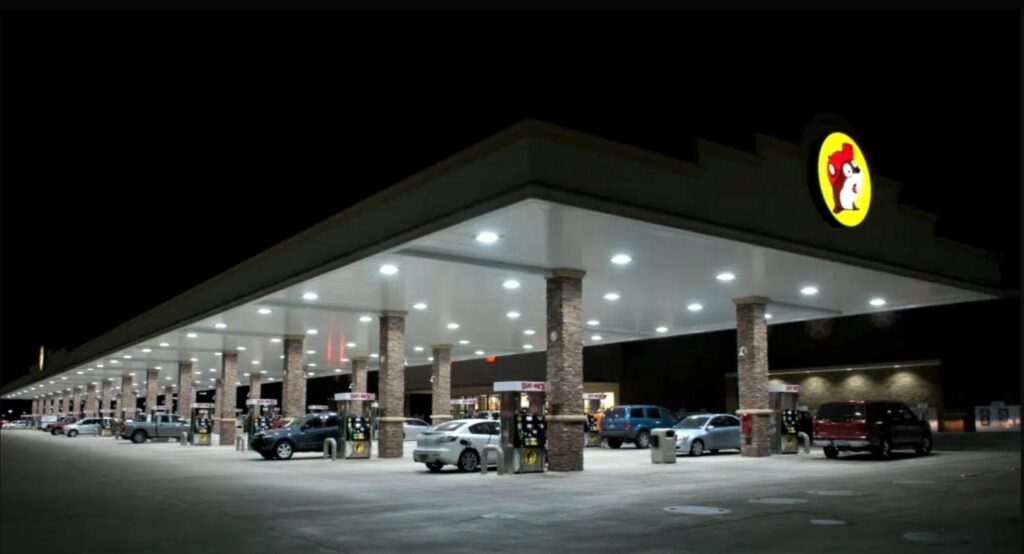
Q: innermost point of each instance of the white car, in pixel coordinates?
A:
(458, 443)
(88, 426)
(412, 427)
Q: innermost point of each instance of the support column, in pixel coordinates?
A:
(359, 366)
(152, 388)
(168, 399)
(76, 402)
(52, 408)
(48, 404)
(441, 384)
(127, 402)
(91, 406)
(391, 387)
(108, 396)
(186, 390)
(752, 371)
(227, 397)
(293, 389)
(565, 370)
(255, 386)
(65, 403)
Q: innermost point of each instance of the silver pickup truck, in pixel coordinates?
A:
(154, 426)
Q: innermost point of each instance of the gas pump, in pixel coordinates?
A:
(524, 436)
(262, 414)
(354, 408)
(107, 422)
(591, 406)
(463, 408)
(201, 428)
(782, 400)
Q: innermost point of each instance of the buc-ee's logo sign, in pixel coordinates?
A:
(838, 173)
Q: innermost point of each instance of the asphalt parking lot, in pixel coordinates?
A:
(91, 494)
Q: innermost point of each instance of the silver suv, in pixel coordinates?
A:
(87, 426)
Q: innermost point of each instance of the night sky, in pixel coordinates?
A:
(143, 154)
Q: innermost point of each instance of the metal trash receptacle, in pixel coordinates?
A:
(663, 446)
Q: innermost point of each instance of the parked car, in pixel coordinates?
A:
(633, 423)
(458, 442)
(153, 426)
(488, 414)
(88, 426)
(702, 433)
(874, 426)
(17, 424)
(412, 427)
(304, 434)
(57, 427)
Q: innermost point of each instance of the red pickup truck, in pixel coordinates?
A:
(876, 426)
(57, 427)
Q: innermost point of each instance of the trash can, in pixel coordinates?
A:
(663, 446)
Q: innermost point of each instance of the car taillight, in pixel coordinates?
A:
(627, 426)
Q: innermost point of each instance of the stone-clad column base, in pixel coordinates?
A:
(391, 385)
(752, 374)
(566, 431)
(392, 435)
(564, 358)
(760, 436)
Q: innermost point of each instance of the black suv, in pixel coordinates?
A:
(303, 434)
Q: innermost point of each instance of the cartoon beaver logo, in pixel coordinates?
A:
(844, 179)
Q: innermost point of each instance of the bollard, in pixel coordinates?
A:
(331, 449)
(240, 443)
(483, 458)
(806, 440)
(184, 439)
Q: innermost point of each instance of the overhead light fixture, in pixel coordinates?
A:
(365, 318)
(114, 362)
(388, 269)
(725, 276)
(310, 295)
(661, 329)
(311, 331)
(158, 368)
(767, 315)
(487, 237)
(527, 346)
(168, 378)
(809, 291)
(513, 315)
(463, 341)
(165, 344)
(418, 348)
(596, 337)
(270, 378)
(453, 325)
(263, 372)
(593, 322)
(255, 362)
(430, 358)
(511, 284)
(81, 373)
(695, 307)
(621, 259)
(282, 356)
(479, 352)
(529, 332)
(419, 306)
(311, 352)
(88, 369)
(275, 339)
(192, 335)
(241, 349)
(613, 296)
(213, 370)
(264, 311)
(375, 355)
(337, 370)
(350, 344)
(193, 359)
(219, 325)
(877, 302)
(311, 365)
(217, 354)
(146, 350)
(344, 359)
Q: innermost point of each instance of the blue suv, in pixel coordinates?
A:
(633, 423)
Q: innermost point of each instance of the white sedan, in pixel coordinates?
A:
(458, 443)
(412, 427)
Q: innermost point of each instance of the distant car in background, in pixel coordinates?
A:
(633, 423)
(702, 433)
(412, 427)
(88, 426)
(488, 414)
(57, 427)
(17, 424)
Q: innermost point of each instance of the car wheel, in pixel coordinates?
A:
(925, 447)
(884, 450)
(53, 432)
(434, 467)
(469, 461)
(72, 433)
(614, 443)
(831, 452)
(284, 450)
(697, 448)
(643, 440)
(139, 436)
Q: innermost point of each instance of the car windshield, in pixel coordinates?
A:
(449, 426)
(615, 413)
(692, 422)
(297, 422)
(844, 411)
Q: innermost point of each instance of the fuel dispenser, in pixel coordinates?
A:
(262, 414)
(592, 407)
(355, 408)
(463, 408)
(201, 428)
(524, 436)
(782, 400)
(107, 422)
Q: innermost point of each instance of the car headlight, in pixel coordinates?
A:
(680, 438)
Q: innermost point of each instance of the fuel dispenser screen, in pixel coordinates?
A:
(591, 424)
(202, 426)
(530, 431)
(357, 428)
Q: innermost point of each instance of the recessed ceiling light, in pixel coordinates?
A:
(275, 339)
(487, 237)
(81, 373)
(193, 359)
(264, 311)
(877, 302)
(213, 370)
(621, 259)
(419, 306)
(167, 378)
(270, 378)
(344, 359)
(388, 269)
(165, 344)
(593, 322)
(196, 371)
(350, 344)
(311, 365)
(463, 341)
(418, 348)
(375, 355)
(661, 329)
(596, 337)
(311, 352)
(365, 318)
(146, 350)
(311, 331)
(192, 335)
(513, 315)
(767, 316)
(263, 372)
(310, 295)
(282, 356)
(158, 368)
(529, 332)
(88, 369)
(337, 370)
(695, 307)
(511, 284)
(114, 362)
(241, 349)
(213, 379)
(613, 296)
(431, 358)
(479, 352)
(527, 346)
(725, 276)
(255, 362)
(217, 354)
(219, 325)
(809, 291)
(453, 325)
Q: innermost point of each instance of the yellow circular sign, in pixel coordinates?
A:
(844, 179)
(360, 446)
(530, 457)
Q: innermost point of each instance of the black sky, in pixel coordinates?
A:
(145, 153)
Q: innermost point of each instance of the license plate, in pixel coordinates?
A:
(840, 443)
